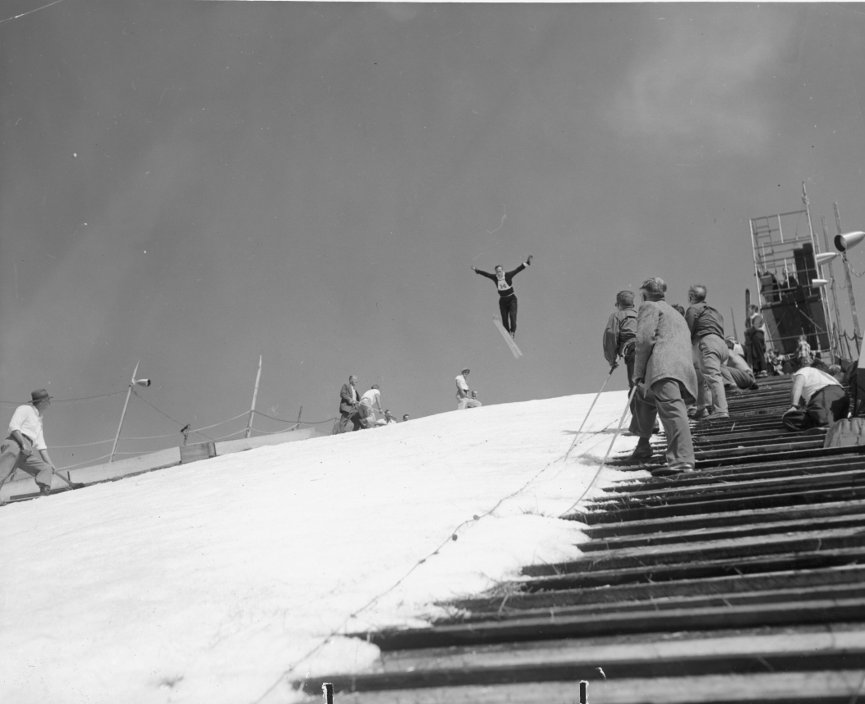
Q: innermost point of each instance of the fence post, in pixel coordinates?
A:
(327, 692)
(584, 692)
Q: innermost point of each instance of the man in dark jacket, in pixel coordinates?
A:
(710, 352)
(619, 340)
(620, 334)
(665, 378)
(349, 413)
(507, 298)
(757, 338)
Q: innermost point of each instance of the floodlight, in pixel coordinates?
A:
(848, 240)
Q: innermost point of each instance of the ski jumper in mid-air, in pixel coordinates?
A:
(507, 298)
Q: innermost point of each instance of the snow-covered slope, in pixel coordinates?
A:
(222, 580)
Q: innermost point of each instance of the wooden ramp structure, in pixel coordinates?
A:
(743, 582)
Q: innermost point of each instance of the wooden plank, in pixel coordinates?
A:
(720, 568)
(737, 474)
(720, 518)
(718, 601)
(788, 613)
(707, 488)
(618, 649)
(813, 496)
(523, 594)
(703, 533)
(651, 556)
(823, 687)
(813, 453)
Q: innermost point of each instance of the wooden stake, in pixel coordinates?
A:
(327, 692)
(254, 399)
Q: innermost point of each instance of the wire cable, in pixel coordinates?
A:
(163, 413)
(67, 400)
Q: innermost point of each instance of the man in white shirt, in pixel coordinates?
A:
(818, 398)
(370, 402)
(25, 447)
(466, 398)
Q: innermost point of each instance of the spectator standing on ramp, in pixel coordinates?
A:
(665, 378)
(348, 406)
(757, 328)
(620, 334)
(25, 446)
(710, 352)
(507, 298)
(619, 339)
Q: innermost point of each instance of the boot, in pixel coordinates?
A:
(642, 451)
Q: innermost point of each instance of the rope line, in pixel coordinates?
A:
(84, 444)
(295, 422)
(222, 422)
(67, 400)
(86, 462)
(163, 413)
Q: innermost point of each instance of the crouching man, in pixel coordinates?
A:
(818, 398)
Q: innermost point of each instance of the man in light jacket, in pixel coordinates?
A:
(665, 378)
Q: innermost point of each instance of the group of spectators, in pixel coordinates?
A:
(681, 366)
(359, 411)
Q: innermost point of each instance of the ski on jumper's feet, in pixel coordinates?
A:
(508, 339)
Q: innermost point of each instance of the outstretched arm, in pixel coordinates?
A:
(522, 266)
(796, 393)
(484, 273)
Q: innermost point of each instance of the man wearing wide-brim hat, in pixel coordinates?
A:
(25, 447)
(665, 379)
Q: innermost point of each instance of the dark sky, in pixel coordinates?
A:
(195, 184)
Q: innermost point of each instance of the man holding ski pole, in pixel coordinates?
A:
(619, 340)
(620, 334)
(25, 446)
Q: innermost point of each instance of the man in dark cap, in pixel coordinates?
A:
(709, 351)
(25, 447)
(665, 378)
(620, 333)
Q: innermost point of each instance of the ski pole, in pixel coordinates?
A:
(72, 485)
(597, 396)
(589, 412)
(609, 450)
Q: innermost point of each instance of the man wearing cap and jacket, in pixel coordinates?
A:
(620, 332)
(25, 447)
(665, 378)
(710, 353)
